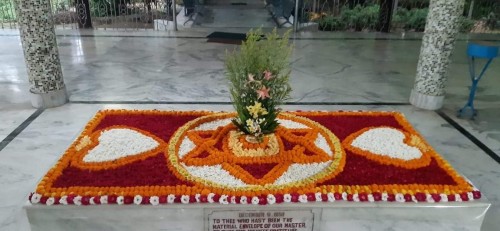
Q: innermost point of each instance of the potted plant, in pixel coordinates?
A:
(258, 74)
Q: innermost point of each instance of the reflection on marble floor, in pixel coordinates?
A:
(189, 69)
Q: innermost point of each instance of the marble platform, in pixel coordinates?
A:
(327, 216)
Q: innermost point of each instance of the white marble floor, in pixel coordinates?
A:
(158, 67)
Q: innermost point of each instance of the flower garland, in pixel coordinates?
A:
(305, 131)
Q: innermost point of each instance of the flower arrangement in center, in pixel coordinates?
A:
(258, 76)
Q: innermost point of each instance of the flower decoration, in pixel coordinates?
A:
(298, 163)
(258, 76)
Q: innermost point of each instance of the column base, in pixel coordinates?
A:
(428, 102)
(50, 99)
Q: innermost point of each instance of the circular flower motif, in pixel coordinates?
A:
(170, 198)
(77, 200)
(470, 195)
(303, 198)
(210, 198)
(331, 197)
(185, 199)
(50, 201)
(255, 200)
(344, 196)
(137, 199)
(371, 198)
(385, 196)
(287, 198)
(271, 199)
(154, 200)
(318, 196)
(35, 198)
(428, 198)
(120, 200)
(400, 197)
(243, 200)
(200, 152)
(223, 199)
(63, 200)
(355, 197)
(104, 199)
(197, 197)
(444, 197)
(233, 200)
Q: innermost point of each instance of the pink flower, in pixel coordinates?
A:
(263, 93)
(251, 77)
(268, 75)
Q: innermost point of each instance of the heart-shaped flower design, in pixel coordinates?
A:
(116, 146)
(389, 145)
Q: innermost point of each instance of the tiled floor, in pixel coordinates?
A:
(327, 68)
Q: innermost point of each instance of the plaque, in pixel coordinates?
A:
(260, 220)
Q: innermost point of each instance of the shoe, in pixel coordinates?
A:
(283, 22)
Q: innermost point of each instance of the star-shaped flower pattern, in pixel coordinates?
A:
(296, 147)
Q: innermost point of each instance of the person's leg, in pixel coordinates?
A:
(288, 6)
(277, 8)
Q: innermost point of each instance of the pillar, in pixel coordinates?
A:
(41, 55)
(441, 30)
(385, 15)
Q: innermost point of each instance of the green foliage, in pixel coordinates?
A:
(359, 17)
(257, 56)
(416, 19)
(413, 19)
(330, 23)
(466, 24)
(7, 11)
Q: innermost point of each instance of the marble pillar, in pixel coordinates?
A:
(438, 42)
(41, 55)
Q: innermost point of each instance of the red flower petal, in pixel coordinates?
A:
(311, 197)
(112, 199)
(436, 197)
(216, 197)
(70, 199)
(96, 200)
(279, 198)
(476, 194)
(451, 197)
(377, 196)
(363, 197)
(128, 200)
(464, 196)
(262, 200)
(422, 197)
(408, 197)
(86, 200)
(43, 200)
(162, 199)
(391, 197)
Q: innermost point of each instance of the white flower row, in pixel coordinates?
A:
(226, 199)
